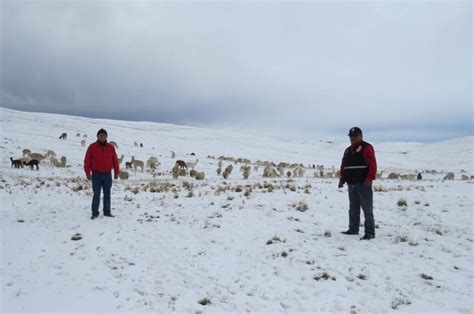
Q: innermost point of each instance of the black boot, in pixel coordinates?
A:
(350, 232)
(94, 216)
(368, 236)
(109, 215)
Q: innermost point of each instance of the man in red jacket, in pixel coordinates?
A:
(358, 169)
(100, 159)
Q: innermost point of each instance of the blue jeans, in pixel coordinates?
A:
(101, 181)
(361, 195)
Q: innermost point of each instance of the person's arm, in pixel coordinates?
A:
(88, 162)
(369, 157)
(115, 163)
(342, 180)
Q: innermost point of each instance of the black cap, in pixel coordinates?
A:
(101, 131)
(355, 131)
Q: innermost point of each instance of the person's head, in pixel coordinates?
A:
(355, 135)
(102, 136)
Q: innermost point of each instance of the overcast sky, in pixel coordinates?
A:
(399, 70)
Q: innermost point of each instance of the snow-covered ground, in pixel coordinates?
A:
(242, 245)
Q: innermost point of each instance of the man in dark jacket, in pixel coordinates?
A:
(358, 170)
(100, 159)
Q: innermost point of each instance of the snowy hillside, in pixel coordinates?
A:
(229, 245)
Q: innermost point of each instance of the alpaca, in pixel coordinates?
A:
(50, 153)
(26, 152)
(175, 171)
(121, 159)
(393, 176)
(269, 172)
(54, 162)
(62, 163)
(36, 156)
(281, 171)
(200, 176)
(137, 163)
(83, 143)
(192, 164)
(225, 174)
(246, 171)
(16, 162)
(449, 176)
(181, 164)
(123, 175)
(128, 165)
(192, 173)
(113, 143)
(63, 136)
(32, 163)
(152, 162)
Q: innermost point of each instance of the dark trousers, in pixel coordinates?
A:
(360, 195)
(101, 181)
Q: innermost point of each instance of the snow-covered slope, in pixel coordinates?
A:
(174, 243)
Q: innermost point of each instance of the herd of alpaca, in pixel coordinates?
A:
(184, 168)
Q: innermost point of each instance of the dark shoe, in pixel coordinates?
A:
(109, 215)
(94, 216)
(368, 236)
(350, 232)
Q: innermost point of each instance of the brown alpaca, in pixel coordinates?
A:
(17, 163)
(32, 163)
(181, 164)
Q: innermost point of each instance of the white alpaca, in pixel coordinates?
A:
(123, 175)
(113, 143)
(58, 163)
(449, 176)
(36, 156)
(26, 152)
(192, 164)
(153, 163)
(50, 153)
(175, 171)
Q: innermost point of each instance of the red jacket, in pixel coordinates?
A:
(369, 158)
(101, 158)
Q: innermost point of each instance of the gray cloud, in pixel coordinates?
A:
(301, 67)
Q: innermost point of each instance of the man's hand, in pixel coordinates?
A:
(89, 177)
(116, 177)
(367, 182)
(341, 184)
